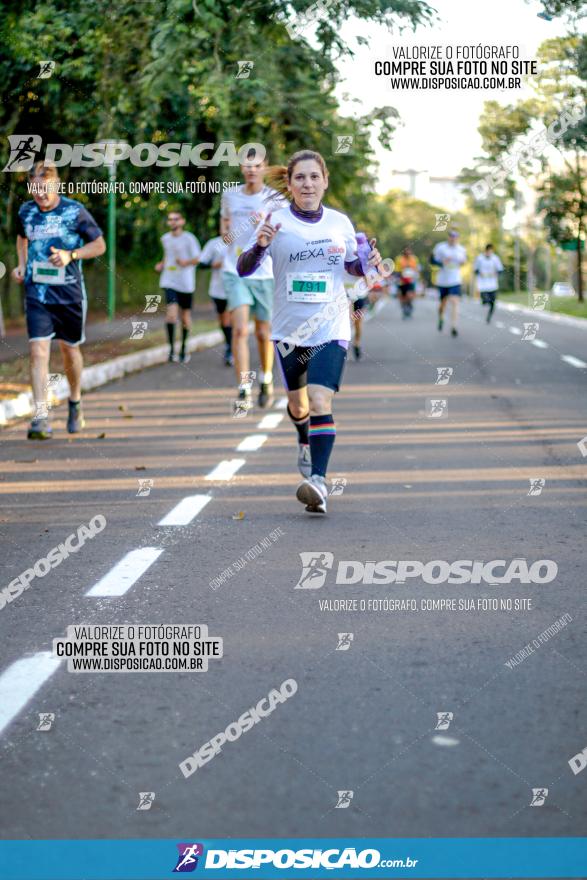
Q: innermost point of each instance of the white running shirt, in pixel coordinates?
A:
(244, 212)
(452, 257)
(488, 266)
(213, 252)
(308, 262)
(184, 247)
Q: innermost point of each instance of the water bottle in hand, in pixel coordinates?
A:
(363, 251)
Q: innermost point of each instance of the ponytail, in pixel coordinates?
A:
(276, 177)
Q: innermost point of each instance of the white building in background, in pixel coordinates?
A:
(444, 192)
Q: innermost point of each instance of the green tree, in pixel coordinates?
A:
(560, 89)
(166, 70)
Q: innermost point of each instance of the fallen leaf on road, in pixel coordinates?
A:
(140, 467)
(127, 416)
(100, 436)
(239, 515)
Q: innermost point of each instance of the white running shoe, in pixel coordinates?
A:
(304, 460)
(313, 494)
(243, 403)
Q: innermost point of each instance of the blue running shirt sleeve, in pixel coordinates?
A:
(68, 226)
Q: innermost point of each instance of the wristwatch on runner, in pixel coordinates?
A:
(74, 255)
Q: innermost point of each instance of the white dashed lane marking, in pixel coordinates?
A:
(21, 681)
(270, 421)
(573, 361)
(252, 443)
(539, 343)
(515, 330)
(184, 512)
(226, 469)
(126, 572)
(440, 740)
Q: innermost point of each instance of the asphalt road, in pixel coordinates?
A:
(363, 719)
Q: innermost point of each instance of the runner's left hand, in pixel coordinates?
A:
(59, 257)
(266, 233)
(374, 256)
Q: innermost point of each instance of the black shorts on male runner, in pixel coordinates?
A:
(63, 321)
(220, 304)
(488, 297)
(406, 288)
(312, 365)
(455, 290)
(360, 304)
(183, 300)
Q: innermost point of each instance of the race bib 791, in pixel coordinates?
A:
(309, 287)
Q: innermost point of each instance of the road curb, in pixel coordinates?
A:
(553, 317)
(100, 374)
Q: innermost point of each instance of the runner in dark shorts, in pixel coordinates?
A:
(54, 235)
(311, 324)
(407, 274)
(213, 258)
(181, 254)
(449, 256)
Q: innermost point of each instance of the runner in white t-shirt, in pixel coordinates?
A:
(213, 257)
(487, 267)
(450, 256)
(241, 211)
(181, 253)
(311, 246)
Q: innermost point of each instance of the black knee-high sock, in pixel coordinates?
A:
(322, 434)
(491, 308)
(171, 334)
(301, 426)
(228, 335)
(185, 331)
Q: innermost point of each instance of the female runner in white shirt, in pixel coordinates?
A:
(311, 247)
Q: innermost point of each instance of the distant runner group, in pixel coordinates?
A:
(283, 259)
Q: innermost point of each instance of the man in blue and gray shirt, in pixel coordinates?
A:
(54, 234)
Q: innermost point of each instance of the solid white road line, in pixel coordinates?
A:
(539, 343)
(21, 681)
(515, 330)
(184, 512)
(270, 421)
(251, 443)
(126, 572)
(226, 469)
(281, 403)
(573, 361)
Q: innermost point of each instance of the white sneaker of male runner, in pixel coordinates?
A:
(313, 493)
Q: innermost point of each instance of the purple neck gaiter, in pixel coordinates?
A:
(307, 216)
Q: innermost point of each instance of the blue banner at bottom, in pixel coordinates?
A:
(368, 858)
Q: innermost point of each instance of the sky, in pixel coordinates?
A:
(438, 131)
